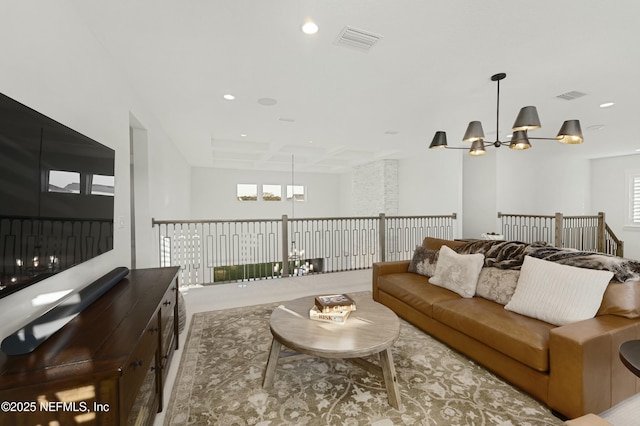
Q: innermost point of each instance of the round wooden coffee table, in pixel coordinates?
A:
(370, 330)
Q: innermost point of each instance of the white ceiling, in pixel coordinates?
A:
(430, 71)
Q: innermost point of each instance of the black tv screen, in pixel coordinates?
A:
(56, 197)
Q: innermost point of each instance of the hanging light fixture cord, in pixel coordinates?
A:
(497, 143)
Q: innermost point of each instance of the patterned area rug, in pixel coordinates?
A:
(219, 382)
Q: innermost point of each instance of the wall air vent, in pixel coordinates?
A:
(569, 96)
(357, 39)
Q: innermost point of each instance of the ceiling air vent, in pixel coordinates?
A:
(357, 39)
(569, 96)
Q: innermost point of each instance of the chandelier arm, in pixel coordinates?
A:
(485, 144)
(543, 139)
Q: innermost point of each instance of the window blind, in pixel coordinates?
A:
(635, 199)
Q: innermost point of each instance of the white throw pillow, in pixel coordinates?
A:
(558, 294)
(458, 272)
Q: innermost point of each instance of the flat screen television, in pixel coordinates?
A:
(56, 197)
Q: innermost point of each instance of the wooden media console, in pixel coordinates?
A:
(107, 366)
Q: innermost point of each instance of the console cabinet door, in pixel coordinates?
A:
(140, 363)
(168, 325)
(147, 401)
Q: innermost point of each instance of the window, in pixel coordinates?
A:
(296, 192)
(102, 185)
(633, 199)
(247, 192)
(271, 192)
(64, 181)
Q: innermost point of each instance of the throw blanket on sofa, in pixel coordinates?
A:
(510, 255)
(623, 269)
(499, 254)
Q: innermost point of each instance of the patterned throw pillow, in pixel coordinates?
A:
(458, 272)
(424, 261)
(497, 284)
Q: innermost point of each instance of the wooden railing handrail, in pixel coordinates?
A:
(500, 214)
(590, 230)
(618, 242)
(290, 219)
(155, 222)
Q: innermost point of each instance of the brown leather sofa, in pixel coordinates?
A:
(574, 369)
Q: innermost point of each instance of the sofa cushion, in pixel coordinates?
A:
(458, 272)
(424, 261)
(621, 299)
(517, 336)
(496, 284)
(558, 294)
(414, 290)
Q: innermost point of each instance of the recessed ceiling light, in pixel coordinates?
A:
(229, 97)
(310, 141)
(243, 135)
(607, 104)
(309, 27)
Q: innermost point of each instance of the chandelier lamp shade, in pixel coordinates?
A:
(527, 119)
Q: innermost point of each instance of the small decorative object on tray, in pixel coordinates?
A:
(328, 303)
(336, 317)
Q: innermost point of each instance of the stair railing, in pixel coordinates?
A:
(586, 233)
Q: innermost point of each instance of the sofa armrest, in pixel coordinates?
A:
(384, 268)
(585, 373)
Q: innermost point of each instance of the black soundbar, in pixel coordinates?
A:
(37, 331)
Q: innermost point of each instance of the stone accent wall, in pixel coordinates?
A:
(375, 188)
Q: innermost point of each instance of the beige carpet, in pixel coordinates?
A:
(219, 382)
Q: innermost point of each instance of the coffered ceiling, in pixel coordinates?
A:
(333, 106)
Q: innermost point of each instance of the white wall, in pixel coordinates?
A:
(543, 180)
(430, 183)
(479, 197)
(214, 194)
(52, 63)
(609, 195)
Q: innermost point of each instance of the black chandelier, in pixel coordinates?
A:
(570, 132)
